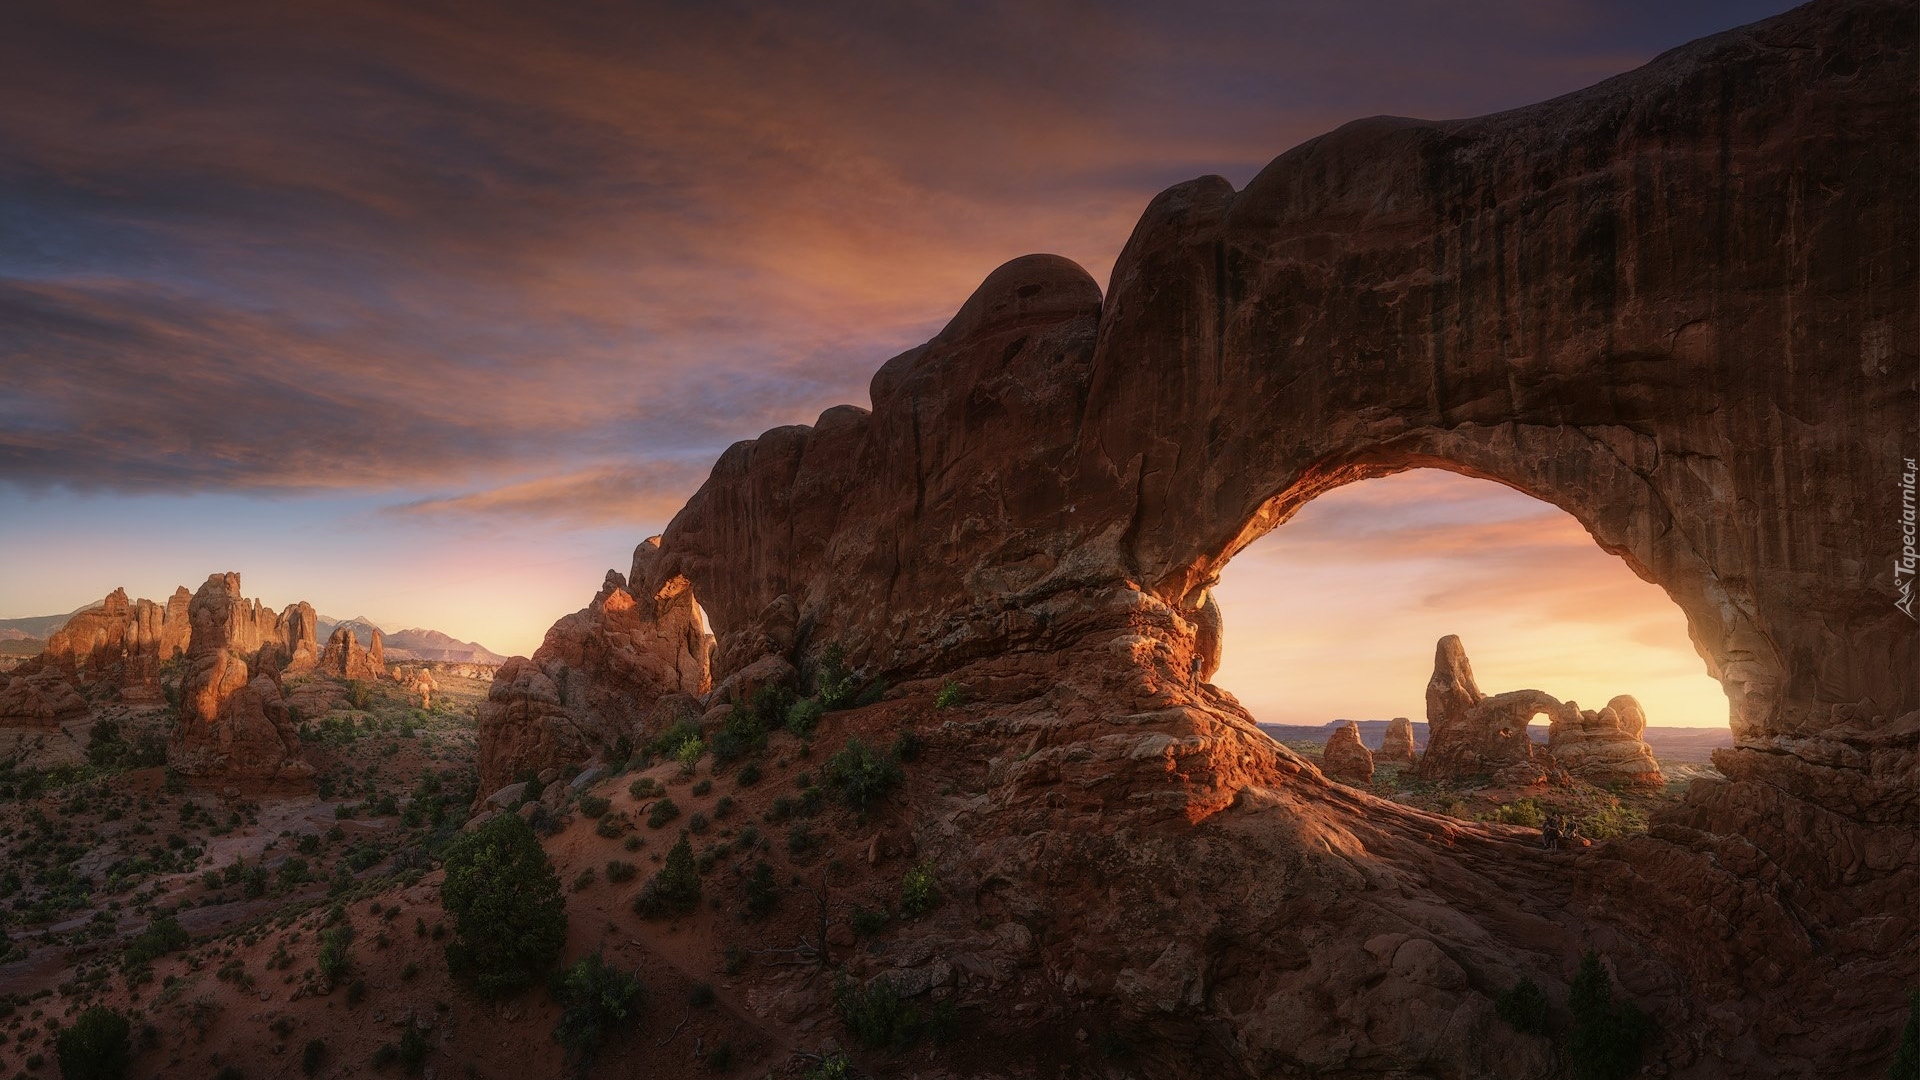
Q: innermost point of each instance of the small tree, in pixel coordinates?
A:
(675, 890)
(595, 998)
(95, 1047)
(509, 915)
(1524, 1007)
(1607, 1036)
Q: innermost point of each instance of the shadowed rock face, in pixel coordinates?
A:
(1678, 305)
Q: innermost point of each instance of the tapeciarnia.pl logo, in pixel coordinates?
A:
(1903, 564)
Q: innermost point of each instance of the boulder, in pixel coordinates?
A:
(1605, 747)
(1397, 746)
(40, 699)
(1346, 757)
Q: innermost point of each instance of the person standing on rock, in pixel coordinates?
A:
(1550, 833)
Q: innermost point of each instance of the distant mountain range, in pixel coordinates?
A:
(414, 643)
(27, 637)
(1668, 743)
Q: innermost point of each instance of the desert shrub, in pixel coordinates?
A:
(595, 999)
(688, 753)
(294, 871)
(748, 775)
(950, 695)
(762, 891)
(1524, 1007)
(701, 996)
(702, 788)
(1523, 812)
(1906, 1056)
(509, 917)
(413, 1051)
(314, 1056)
(97, 1046)
(335, 958)
(802, 717)
(593, 805)
(584, 879)
(802, 841)
(837, 685)
(722, 808)
(359, 695)
(162, 936)
(1607, 1036)
(1612, 821)
(876, 1015)
(867, 923)
(611, 826)
(675, 890)
(663, 811)
(861, 776)
(906, 746)
(698, 823)
(619, 871)
(831, 1067)
(646, 787)
(919, 893)
(356, 992)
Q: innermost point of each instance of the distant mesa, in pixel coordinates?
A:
(415, 643)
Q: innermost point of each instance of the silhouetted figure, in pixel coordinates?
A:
(1550, 833)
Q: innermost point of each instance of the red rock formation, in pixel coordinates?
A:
(1605, 747)
(596, 677)
(1471, 736)
(1346, 757)
(418, 680)
(343, 658)
(40, 699)
(1397, 747)
(233, 728)
(1677, 305)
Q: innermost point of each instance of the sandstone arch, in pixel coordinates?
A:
(1678, 305)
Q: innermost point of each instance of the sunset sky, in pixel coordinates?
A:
(429, 311)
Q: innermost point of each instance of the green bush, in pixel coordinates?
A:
(867, 923)
(675, 890)
(831, 1067)
(96, 1046)
(861, 776)
(663, 811)
(620, 871)
(1524, 1007)
(919, 893)
(748, 775)
(509, 916)
(1607, 1036)
(1611, 822)
(595, 999)
(951, 694)
(593, 805)
(688, 753)
(803, 716)
(763, 892)
(646, 787)
(906, 746)
(162, 936)
(335, 959)
(314, 1056)
(1523, 812)
(1906, 1057)
(876, 1015)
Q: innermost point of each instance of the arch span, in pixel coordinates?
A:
(1679, 310)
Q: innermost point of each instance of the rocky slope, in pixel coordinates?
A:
(1677, 305)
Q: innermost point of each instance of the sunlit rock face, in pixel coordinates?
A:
(1346, 757)
(596, 678)
(1605, 747)
(1678, 305)
(343, 657)
(234, 728)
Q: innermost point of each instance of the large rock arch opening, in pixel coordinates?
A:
(1678, 305)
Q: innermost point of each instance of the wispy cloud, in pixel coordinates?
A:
(608, 495)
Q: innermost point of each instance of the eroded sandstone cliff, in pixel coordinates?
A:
(1677, 305)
